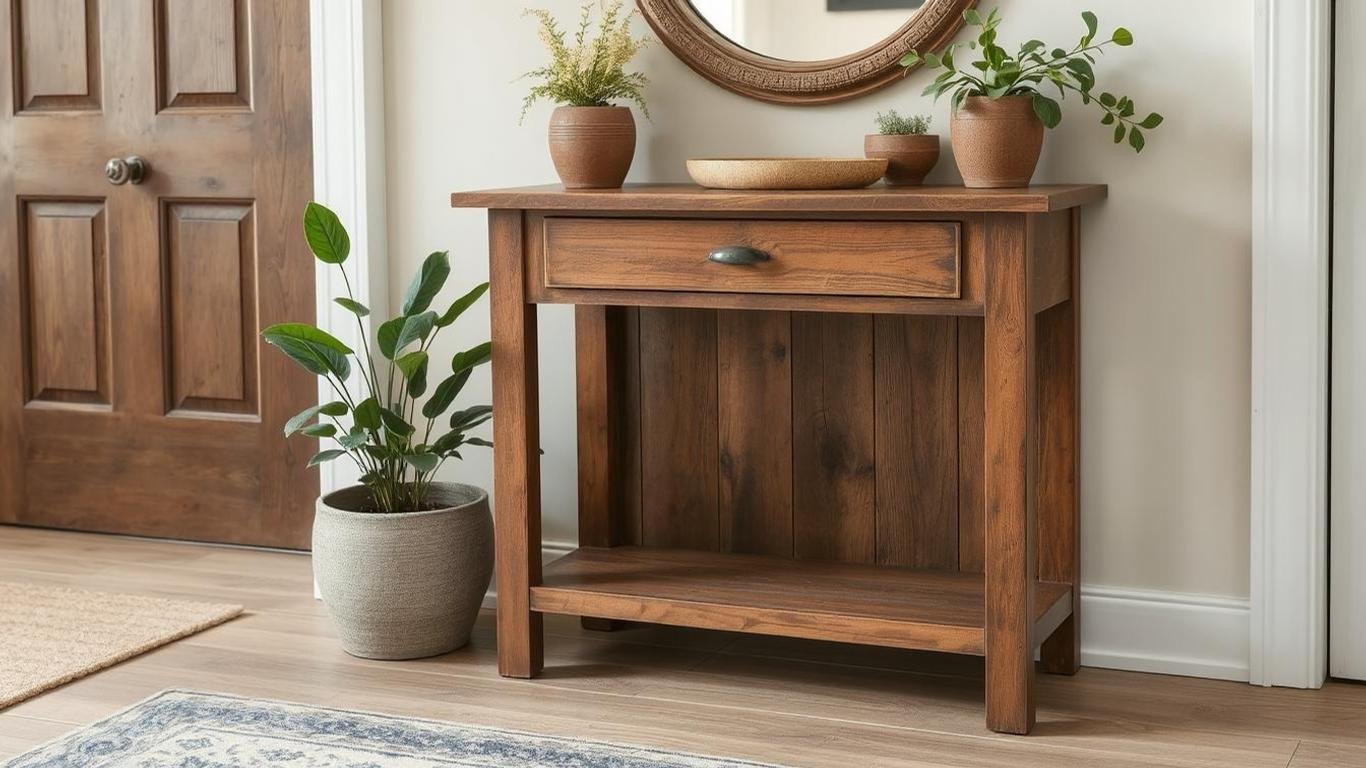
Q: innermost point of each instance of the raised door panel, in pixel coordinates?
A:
(203, 54)
(56, 54)
(64, 256)
(210, 275)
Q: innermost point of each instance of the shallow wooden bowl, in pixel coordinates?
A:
(786, 172)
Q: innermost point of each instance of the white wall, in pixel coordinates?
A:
(1165, 395)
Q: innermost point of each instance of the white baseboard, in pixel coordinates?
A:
(1139, 630)
(1168, 633)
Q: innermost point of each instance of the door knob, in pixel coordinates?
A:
(131, 169)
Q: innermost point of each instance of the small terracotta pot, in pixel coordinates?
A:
(996, 143)
(909, 157)
(592, 147)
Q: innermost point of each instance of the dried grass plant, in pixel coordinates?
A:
(589, 73)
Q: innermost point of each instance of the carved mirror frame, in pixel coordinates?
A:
(738, 69)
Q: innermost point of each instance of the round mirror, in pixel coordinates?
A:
(806, 30)
(802, 51)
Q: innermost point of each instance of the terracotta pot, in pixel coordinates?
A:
(909, 157)
(592, 147)
(996, 143)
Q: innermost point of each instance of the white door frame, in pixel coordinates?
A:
(1292, 112)
(347, 61)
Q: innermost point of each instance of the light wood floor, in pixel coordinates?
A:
(790, 702)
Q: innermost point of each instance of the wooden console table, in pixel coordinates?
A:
(842, 415)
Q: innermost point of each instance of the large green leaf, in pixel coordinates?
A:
(471, 358)
(1123, 36)
(297, 422)
(306, 332)
(326, 236)
(414, 368)
(445, 394)
(327, 455)
(394, 335)
(367, 414)
(387, 335)
(1047, 110)
(423, 462)
(357, 308)
(471, 417)
(1091, 24)
(353, 439)
(461, 304)
(448, 442)
(320, 430)
(427, 283)
(394, 423)
(415, 328)
(314, 357)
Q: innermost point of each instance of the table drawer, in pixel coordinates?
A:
(912, 259)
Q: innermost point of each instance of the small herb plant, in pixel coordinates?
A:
(397, 465)
(589, 73)
(999, 74)
(891, 123)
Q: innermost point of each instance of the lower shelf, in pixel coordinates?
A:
(896, 607)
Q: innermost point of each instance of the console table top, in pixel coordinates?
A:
(877, 199)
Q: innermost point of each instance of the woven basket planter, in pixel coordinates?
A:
(403, 586)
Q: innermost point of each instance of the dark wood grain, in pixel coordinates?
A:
(971, 434)
(516, 450)
(1059, 507)
(679, 462)
(754, 397)
(1010, 457)
(911, 259)
(607, 374)
(917, 441)
(157, 365)
(896, 607)
(641, 198)
(834, 493)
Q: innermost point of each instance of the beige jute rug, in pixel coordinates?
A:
(53, 635)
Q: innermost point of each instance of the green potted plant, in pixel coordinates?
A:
(592, 141)
(905, 142)
(1000, 109)
(402, 561)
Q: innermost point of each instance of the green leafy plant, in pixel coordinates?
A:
(997, 74)
(378, 431)
(891, 123)
(589, 73)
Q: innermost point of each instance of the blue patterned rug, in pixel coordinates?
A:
(201, 730)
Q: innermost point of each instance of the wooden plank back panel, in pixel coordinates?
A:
(754, 370)
(679, 461)
(833, 441)
(783, 421)
(917, 441)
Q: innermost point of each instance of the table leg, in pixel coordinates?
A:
(516, 445)
(1009, 448)
(1059, 547)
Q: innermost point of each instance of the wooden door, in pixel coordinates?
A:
(135, 396)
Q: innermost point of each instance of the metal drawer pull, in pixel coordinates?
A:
(737, 254)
